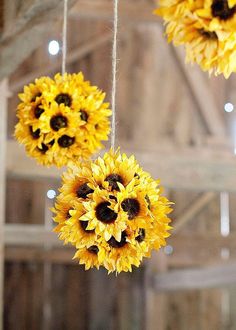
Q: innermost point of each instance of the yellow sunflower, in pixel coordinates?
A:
(62, 119)
(88, 257)
(115, 206)
(206, 28)
(121, 255)
(218, 15)
(74, 231)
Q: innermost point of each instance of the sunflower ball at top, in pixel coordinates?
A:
(207, 28)
(62, 119)
(112, 212)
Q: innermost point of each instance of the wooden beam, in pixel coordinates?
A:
(199, 278)
(74, 55)
(1, 16)
(202, 95)
(3, 138)
(193, 210)
(196, 169)
(30, 235)
(194, 250)
(138, 11)
(155, 303)
(36, 254)
(26, 165)
(27, 32)
(200, 249)
(196, 241)
(38, 235)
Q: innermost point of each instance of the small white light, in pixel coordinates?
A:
(168, 249)
(53, 47)
(229, 107)
(51, 194)
(235, 150)
(224, 214)
(225, 253)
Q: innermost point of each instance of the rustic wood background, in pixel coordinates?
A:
(171, 116)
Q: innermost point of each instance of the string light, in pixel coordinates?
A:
(51, 194)
(229, 107)
(53, 47)
(168, 249)
(224, 214)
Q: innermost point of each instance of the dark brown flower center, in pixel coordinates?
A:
(115, 244)
(141, 235)
(58, 122)
(220, 8)
(83, 225)
(104, 213)
(43, 149)
(148, 201)
(84, 190)
(66, 141)
(34, 134)
(64, 98)
(83, 115)
(113, 197)
(68, 216)
(131, 206)
(51, 143)
(208, 34)
(93, 249)
(38, 111)
(35, 96)
(136, 175)
(113, 179)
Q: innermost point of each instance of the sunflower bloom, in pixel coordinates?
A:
(207, 29)
(112, 212)
(62, 119)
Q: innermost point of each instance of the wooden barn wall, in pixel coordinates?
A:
(1, 16)
(153, 102)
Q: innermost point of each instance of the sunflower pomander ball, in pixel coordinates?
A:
(207, 28)
(112, 212)
(62, 119)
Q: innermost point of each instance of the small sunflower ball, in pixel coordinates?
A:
(207, 28)
(112, 212)
(62, 119)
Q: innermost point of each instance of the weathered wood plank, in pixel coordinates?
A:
(155, 302)
(27, 32)
(196, 169)
(193, 210)
(31, 235)
(203, 97)
(3, 136)
(40, 255)
(24, 296)
(75, 55)
(188, 250)
(199, 278)
(137, 11)
(2, 16)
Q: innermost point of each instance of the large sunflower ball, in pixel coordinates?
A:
(112, 212)
(207, 28)
(62, 119)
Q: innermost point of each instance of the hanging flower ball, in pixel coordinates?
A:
(62, 119)
(206, 28)
(112, 212)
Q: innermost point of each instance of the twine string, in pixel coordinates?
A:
(114, 72)
(64, 37)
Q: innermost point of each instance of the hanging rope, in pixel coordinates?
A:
(114, 71)
(64, 37)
